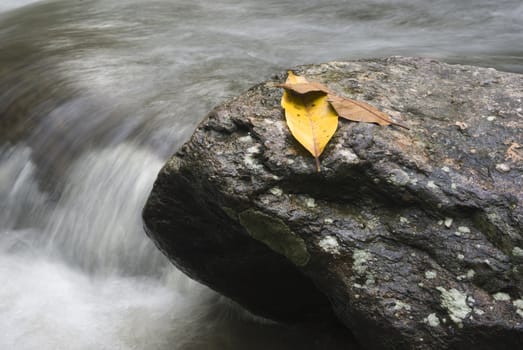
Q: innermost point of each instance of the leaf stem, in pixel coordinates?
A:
(318, 169)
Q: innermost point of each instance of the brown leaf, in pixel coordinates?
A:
(360, 111)
(305, 87)
(514, 152)
(461, 125)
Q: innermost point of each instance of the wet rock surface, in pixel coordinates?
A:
(411, 238)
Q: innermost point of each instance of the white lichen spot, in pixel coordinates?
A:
(251, 162)
(372, 222)
(430, 274)
(328, 221)
(357, 285)
(463, 229)
(399, 177)
(461, 256)
(518, 304)
(503, 167)
(276, 191)
(479, 312)
(432, 185)
(404, 220)
(501, 296)
(290, 161)
(330, 245)
(456, 233)
(491, 118)
(448, 222)
(453, 186)
(399, 305)
(370, 281)
(469, 275)
(246, 139)
(517, 251)
(310, 202)
(492, 217)
(432, 320)
(349, 156)
(456, 304)
(253, 149)
(360, 258)
(445, 169)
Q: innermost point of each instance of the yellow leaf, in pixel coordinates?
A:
(310, 117)
(295, 79)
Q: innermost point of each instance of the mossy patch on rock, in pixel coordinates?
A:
(230, 213)
(276, 235)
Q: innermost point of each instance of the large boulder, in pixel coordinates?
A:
(411, 238)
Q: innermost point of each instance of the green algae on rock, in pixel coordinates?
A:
(275, 234)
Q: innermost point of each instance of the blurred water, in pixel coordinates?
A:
(96, 94)
(7, 5)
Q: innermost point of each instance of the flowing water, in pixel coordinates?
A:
(94, 97)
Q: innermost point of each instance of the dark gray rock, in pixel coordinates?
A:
(413, 238)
